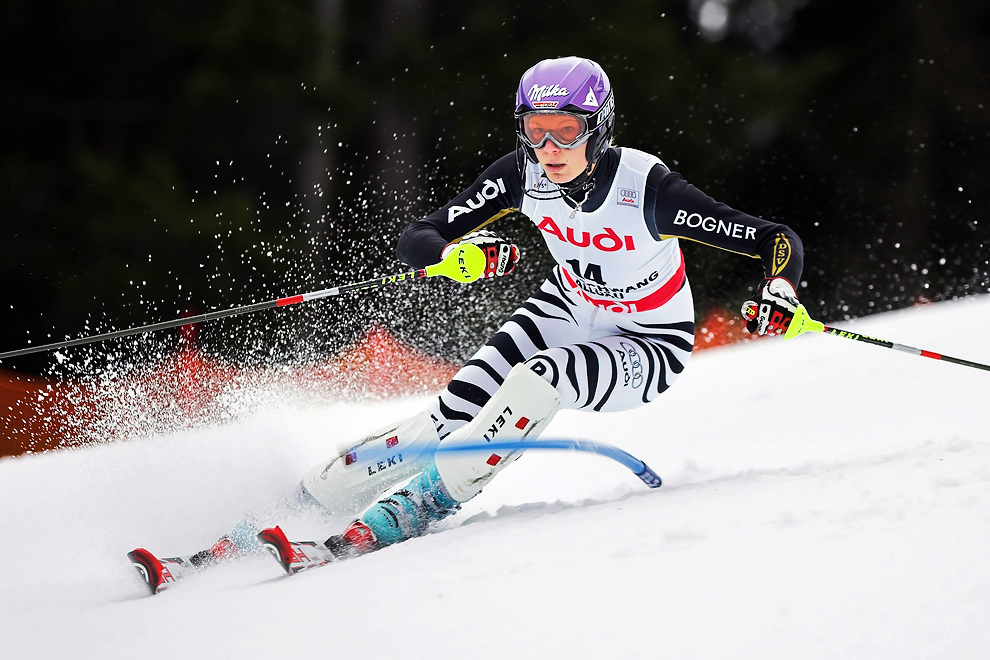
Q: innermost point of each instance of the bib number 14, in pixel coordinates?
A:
(592, 273)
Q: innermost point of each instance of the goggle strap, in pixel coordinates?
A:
(598, 117)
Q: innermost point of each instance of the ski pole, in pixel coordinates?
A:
(802, 323)
(465, 263)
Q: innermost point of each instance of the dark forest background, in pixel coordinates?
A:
(161, 159)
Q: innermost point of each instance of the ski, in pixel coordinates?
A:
(160, 573)
(294, 556)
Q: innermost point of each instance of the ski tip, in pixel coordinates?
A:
(274, 540)
(294, 556)
(150, 569)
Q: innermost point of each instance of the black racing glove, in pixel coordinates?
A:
(501, 255)
(771, 308)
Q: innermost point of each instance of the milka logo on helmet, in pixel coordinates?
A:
(489, 190)
(539, 92)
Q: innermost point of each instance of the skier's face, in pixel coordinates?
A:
(562, 165)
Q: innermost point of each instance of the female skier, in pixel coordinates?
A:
(610, 329)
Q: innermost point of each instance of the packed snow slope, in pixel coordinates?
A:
(822, 498)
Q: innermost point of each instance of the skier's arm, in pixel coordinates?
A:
(495, 193)
(683, 211)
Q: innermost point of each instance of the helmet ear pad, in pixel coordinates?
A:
(600, 140)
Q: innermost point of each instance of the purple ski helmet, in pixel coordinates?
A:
(569, 84)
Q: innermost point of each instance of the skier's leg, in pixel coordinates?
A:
(522, 407)
(342, 487)
(546, 318)
(347, 484)
(611, 373)
(403, 514)
(629, 362)
(242, 539)
(550, 317)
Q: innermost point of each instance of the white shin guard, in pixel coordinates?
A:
(351, 482)
(521, 408)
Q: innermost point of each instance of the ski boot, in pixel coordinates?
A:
(405, 513)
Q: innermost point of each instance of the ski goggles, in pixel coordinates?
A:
(565, 129)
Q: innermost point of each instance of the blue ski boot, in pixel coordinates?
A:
(403, 514)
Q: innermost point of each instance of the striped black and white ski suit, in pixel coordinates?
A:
(612, 326)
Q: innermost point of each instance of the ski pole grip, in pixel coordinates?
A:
(465, 263)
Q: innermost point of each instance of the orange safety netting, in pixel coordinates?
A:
(38, 414)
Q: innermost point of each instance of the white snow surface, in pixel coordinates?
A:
(822, 498)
